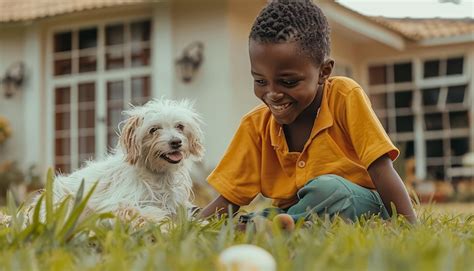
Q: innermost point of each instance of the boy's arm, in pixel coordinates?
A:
(391, 188)
(218, 206)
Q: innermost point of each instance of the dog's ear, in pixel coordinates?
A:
(196, 144)
(128, 139)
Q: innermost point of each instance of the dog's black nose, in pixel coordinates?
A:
(176, 143)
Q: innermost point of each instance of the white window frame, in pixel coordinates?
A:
(100, 77)
(417, 84)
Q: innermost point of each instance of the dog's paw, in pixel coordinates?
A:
(133, 217)
(127, 214)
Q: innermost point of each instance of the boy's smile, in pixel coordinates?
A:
(286, 79)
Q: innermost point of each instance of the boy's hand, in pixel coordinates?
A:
(218, 206)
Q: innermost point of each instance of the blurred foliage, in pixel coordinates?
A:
(12, 176)
(61, 240)
(5, 129)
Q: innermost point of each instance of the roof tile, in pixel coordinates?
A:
(23, 10)
(421, 29)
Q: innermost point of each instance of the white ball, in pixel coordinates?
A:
(246, 257)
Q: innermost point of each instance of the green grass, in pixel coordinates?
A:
(441, 241)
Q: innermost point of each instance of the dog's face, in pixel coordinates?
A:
(162, 134)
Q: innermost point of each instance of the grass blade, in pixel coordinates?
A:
(68, 227)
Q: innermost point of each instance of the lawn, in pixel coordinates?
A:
(441, 241)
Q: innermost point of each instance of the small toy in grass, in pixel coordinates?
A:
(244, 258)
(284, 222)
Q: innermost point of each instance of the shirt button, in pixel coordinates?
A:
(301, 163)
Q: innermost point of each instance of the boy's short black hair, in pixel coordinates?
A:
(294, 20)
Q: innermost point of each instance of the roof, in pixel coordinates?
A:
(24, 10)
(429, 28)
(409, 28)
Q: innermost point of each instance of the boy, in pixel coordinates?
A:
(315, 146)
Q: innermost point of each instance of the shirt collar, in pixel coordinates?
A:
(323, 121)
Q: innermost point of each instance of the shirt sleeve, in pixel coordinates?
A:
(237, 176)
(367, 134)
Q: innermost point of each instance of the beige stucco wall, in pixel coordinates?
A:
(241, 14)
(206, 21)
(11, 51)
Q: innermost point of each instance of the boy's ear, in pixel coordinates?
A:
(325, 70)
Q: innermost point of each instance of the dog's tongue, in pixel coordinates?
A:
(175, 156)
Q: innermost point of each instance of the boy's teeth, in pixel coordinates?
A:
(280, 107)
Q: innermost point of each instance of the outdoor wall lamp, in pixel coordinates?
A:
(13, 79)
(190, 61)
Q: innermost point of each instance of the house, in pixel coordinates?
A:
(85, 61)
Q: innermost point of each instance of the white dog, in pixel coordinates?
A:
(148, 175)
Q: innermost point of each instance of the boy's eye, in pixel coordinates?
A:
(289, 83)
(180, 127)
(260, 82)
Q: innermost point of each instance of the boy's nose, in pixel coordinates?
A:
(274, 95)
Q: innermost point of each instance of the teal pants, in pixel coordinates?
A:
(330, 195)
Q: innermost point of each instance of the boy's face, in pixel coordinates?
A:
(285, 78)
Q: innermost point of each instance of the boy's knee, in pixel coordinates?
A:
(326, 185)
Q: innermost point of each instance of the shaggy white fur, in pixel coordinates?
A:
(148, 174)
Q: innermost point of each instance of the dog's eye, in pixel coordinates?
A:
(153, 130)
(180, 127)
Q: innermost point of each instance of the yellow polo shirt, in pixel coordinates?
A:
(346, 138)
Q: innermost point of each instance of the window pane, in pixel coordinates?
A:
(403, 99)
(63, 95)
(430, 96)
(112, 139)
(87, 38)
(63, 146)
(62, 66)
(115, 91)
(115, 96)
(409, 150)
(402, 72)
(435, 172)
(431, 68)
(404, 123)
(434, 148)
(140, 56)
(384, 123)
(454, 66)
(62, 121)
(141, 31)
(434, 121)
(87, 64)
(114, 116)
(114, 59)
(114, 34)
(87, 118)
(459, 146)
(459, 119)
(63, 42)
(86, 145)
(140, 90)
(379, 101)
(86, 92)
(378, 75)
(456, 94)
